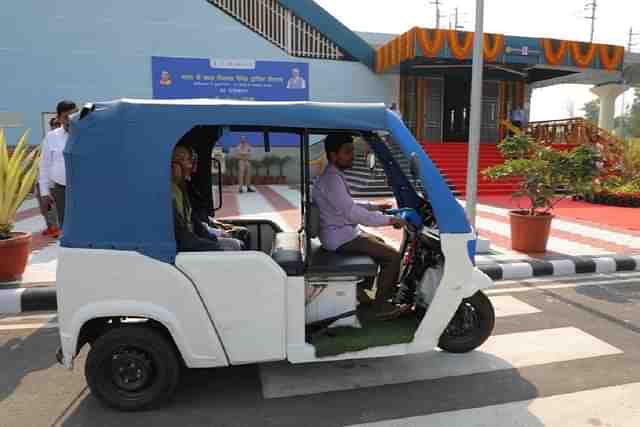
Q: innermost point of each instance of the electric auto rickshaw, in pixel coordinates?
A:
(147, 311)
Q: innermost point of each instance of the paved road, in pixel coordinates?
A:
(564, 353)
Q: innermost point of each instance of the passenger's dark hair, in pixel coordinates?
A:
(333, 142)
(64, 106)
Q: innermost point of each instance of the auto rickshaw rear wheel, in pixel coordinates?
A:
(470, 326)
(132, 368)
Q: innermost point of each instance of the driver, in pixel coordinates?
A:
(340, 217)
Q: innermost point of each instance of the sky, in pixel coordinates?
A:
(563, 19)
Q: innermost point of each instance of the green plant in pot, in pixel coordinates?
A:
(543, 174)
(18, 173)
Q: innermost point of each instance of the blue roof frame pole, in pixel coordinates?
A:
(476, 115)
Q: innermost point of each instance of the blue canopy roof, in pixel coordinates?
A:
(118, 163)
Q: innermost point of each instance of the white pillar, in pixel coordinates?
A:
(607, 95)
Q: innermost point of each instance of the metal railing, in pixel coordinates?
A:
(281, 27)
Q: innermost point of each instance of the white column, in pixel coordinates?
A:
(607, 95)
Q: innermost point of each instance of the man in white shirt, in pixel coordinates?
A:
(53, 177)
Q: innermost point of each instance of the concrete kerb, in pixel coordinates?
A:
(561, 267)
(22, 300)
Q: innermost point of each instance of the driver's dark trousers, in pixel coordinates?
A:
(384, 255)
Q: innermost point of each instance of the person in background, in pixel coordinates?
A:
(296, 81)
(243, 153)
(53, 179)
(517, 119)
(340, 220)
(47, 210)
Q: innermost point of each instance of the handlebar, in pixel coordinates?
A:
(411, 216)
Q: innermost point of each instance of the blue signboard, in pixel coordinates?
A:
(249, 80)
(175, 78)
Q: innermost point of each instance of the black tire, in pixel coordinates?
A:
(133, 368)
(470, 327)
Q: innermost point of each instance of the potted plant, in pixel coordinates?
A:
(18, 173)
(542, 174)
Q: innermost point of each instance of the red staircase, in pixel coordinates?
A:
(451, 159)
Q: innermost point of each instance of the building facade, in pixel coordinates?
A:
(103, 50)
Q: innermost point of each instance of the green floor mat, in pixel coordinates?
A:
(374, 333)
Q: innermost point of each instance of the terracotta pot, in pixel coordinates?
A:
(14, 253)
(529, 233)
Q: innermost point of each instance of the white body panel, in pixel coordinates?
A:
(96, 283)
(244, 293)
(242, 300)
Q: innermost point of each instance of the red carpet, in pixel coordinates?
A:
(605, 216)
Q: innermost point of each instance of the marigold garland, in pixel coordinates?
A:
(580, 59)
(491, 52)
(460, 52)
(610, 62)
(430, 48)
(554, 58)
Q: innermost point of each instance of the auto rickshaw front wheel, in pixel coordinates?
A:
(132, 368)
(470, 326)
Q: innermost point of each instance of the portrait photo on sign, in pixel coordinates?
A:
(296, 81)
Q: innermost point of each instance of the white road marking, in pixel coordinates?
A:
(23, 326)
(26, 318)
(559, 286)
(509, 306)
(500, 352)
(616, 406)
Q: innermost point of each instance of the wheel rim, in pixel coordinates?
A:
(464, 322)
(132, 369)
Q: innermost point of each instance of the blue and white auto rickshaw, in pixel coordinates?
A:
(146, 311)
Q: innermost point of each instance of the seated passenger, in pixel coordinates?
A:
(186, 239)
(229, 236)
(340, 217)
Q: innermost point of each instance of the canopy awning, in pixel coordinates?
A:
(437, 47)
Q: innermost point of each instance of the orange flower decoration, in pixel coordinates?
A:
(430, 48)
(491, 52)
(554, 58)
(611, 62)
(580, 59)
(460, 52)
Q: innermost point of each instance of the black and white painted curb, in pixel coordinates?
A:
(22, 300)
(560, 267)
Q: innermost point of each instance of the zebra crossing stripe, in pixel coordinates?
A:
(617, 406)
(505, 306)
(500, 352)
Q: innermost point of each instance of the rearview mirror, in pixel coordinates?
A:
(371, 161)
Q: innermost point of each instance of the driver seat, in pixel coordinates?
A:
(288, 248)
